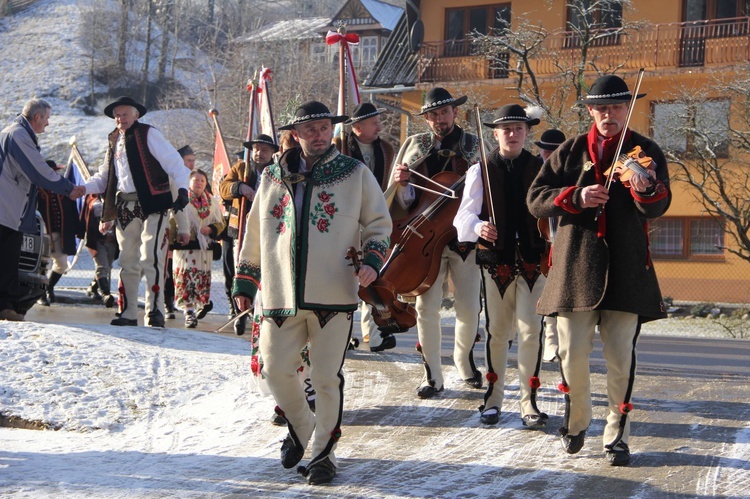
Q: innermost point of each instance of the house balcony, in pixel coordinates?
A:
(655, 47)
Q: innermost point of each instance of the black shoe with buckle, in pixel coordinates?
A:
(122, 321)
(428, 391)
(291, 454)
(155, 319)
(619, 455)
(321, 472)
(206, 309)
(573, 443)
(535, 421)
(278, 420)
(475, 381)
(389, 341)
(490, 416)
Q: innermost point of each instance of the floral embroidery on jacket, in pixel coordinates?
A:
(323, 212)
(281, 211)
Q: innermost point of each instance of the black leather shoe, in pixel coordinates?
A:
(291, 454)
(321, 472)
(427, 391)
(122, 321)
(619, 455)
(206, 309)
(389, 341)
(535, 421)
(155, 319)
(475, 381)
(108, 301)
(490, 416)
(573, 443)
(353, 344)
(278, 420)
(43, 300)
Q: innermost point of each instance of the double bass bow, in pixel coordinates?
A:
(389, 313)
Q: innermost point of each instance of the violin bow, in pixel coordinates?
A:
(483, 166)
(611, 176)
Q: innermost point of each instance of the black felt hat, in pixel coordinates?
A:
(124, 101)
(262, 138)
(312, 111)
(551, 140)
(608, 89)
(511, 113)
(185, 150)
(439, 97)
(364, 111)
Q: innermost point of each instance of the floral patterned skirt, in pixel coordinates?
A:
(192, 278)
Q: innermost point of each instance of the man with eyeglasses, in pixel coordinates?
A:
(601, 272)
(446, 147)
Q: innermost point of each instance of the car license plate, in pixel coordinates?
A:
(28, 244)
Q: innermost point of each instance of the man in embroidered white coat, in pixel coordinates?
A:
(307, 212)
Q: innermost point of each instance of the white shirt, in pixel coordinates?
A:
(167, 156)
(467, 221)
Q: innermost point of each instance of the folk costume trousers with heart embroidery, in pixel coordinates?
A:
(280, 348)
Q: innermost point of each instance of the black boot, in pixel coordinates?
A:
(53, 278)
(93, 290)
(107, 299)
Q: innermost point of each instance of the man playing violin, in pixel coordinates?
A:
(509, 254)
(601, 271)
(310, 207)
(447, 147)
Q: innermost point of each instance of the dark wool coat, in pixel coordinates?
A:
(602, 265)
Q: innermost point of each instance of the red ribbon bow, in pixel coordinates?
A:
(332, 38)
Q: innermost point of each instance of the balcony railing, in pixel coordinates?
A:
(658, 46)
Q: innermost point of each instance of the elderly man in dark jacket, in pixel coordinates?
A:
(601, 271)
(22, 171)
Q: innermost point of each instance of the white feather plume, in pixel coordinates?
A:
(534, 112)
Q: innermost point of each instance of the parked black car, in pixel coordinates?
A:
(33, 266)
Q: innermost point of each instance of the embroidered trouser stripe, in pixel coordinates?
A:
(280, 347)
(618, 332)
(514, 310)
(466, 282)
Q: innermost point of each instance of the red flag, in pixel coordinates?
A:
(221, 158)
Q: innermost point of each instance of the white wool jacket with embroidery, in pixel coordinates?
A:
(303, 265)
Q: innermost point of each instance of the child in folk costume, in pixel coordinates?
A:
(192, 262)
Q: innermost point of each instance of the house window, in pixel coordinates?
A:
(687, 238)
(318, 53)
(459, 23)
(369, 48)
(682, 128)
(701, 10)
(602, 18)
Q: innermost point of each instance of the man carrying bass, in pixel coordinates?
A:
(446, 147)
(601, 270)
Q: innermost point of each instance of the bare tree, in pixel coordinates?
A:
(708, 138)
(592, 23)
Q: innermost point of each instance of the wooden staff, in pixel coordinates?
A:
(484, 167)
(78, 160)
(251, 87)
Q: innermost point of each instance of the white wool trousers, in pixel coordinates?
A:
(280, 348)
(143, 249)
(466, 281)
(515, 310)
(618, 332)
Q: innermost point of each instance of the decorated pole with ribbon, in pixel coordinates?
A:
(252, 126)
(265, 107)
(221, 163)
(347, 77)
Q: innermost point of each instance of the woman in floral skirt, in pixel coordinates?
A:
(192, 262)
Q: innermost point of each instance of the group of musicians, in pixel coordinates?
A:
(597, 275)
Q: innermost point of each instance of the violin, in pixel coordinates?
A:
(627, 165)
(389, 313)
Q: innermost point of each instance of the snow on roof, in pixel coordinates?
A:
(386, 14)
(292, 29)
